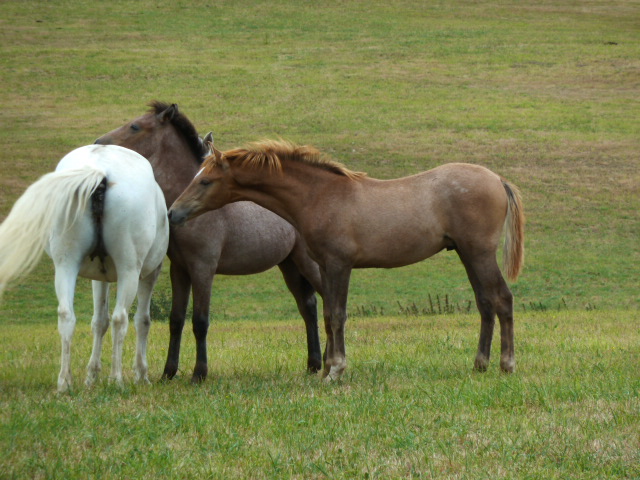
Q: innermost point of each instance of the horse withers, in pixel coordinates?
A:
(99, 215)
(349, 220)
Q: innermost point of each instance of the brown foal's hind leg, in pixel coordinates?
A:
(492, 297)
(505, 315)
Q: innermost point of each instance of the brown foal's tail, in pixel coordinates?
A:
(514, 235)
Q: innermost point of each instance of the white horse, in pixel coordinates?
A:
(102, 216)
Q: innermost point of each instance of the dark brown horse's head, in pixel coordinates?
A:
(168, 139)
(162, 127)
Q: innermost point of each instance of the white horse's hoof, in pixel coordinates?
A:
(118, 382)
(64, 386)
(92, 377)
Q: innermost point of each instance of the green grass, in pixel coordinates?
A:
(409, 405)
(545, 94)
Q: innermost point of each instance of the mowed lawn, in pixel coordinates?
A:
(545, 94)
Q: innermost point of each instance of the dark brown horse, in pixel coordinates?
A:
(240, 239)
(349, 220)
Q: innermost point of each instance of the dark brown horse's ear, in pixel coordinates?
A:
(168, 113)
(207, 142)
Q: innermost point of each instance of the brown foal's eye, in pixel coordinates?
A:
(205, 181)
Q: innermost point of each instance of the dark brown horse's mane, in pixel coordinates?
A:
(271, 153)
(184, 127)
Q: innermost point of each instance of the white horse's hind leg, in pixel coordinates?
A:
(65, 283)
(142, 322)
(99, 326)
(126, 292)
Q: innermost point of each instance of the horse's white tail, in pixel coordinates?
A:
(55, 197)
(514, 232)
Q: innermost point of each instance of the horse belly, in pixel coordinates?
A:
(252, 255)
(388, 240)
(397, 254)
(255, 240)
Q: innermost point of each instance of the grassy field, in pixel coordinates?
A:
(547, 94)
(409, 407)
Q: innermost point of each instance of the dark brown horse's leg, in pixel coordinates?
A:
(305, 297)
(335, 284)
(180, 287)
(201, 302)
(492, 296)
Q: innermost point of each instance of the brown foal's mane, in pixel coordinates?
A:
(271, 154)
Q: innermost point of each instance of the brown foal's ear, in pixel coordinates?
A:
(220, 158)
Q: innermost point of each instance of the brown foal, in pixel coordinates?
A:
(349, 220)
